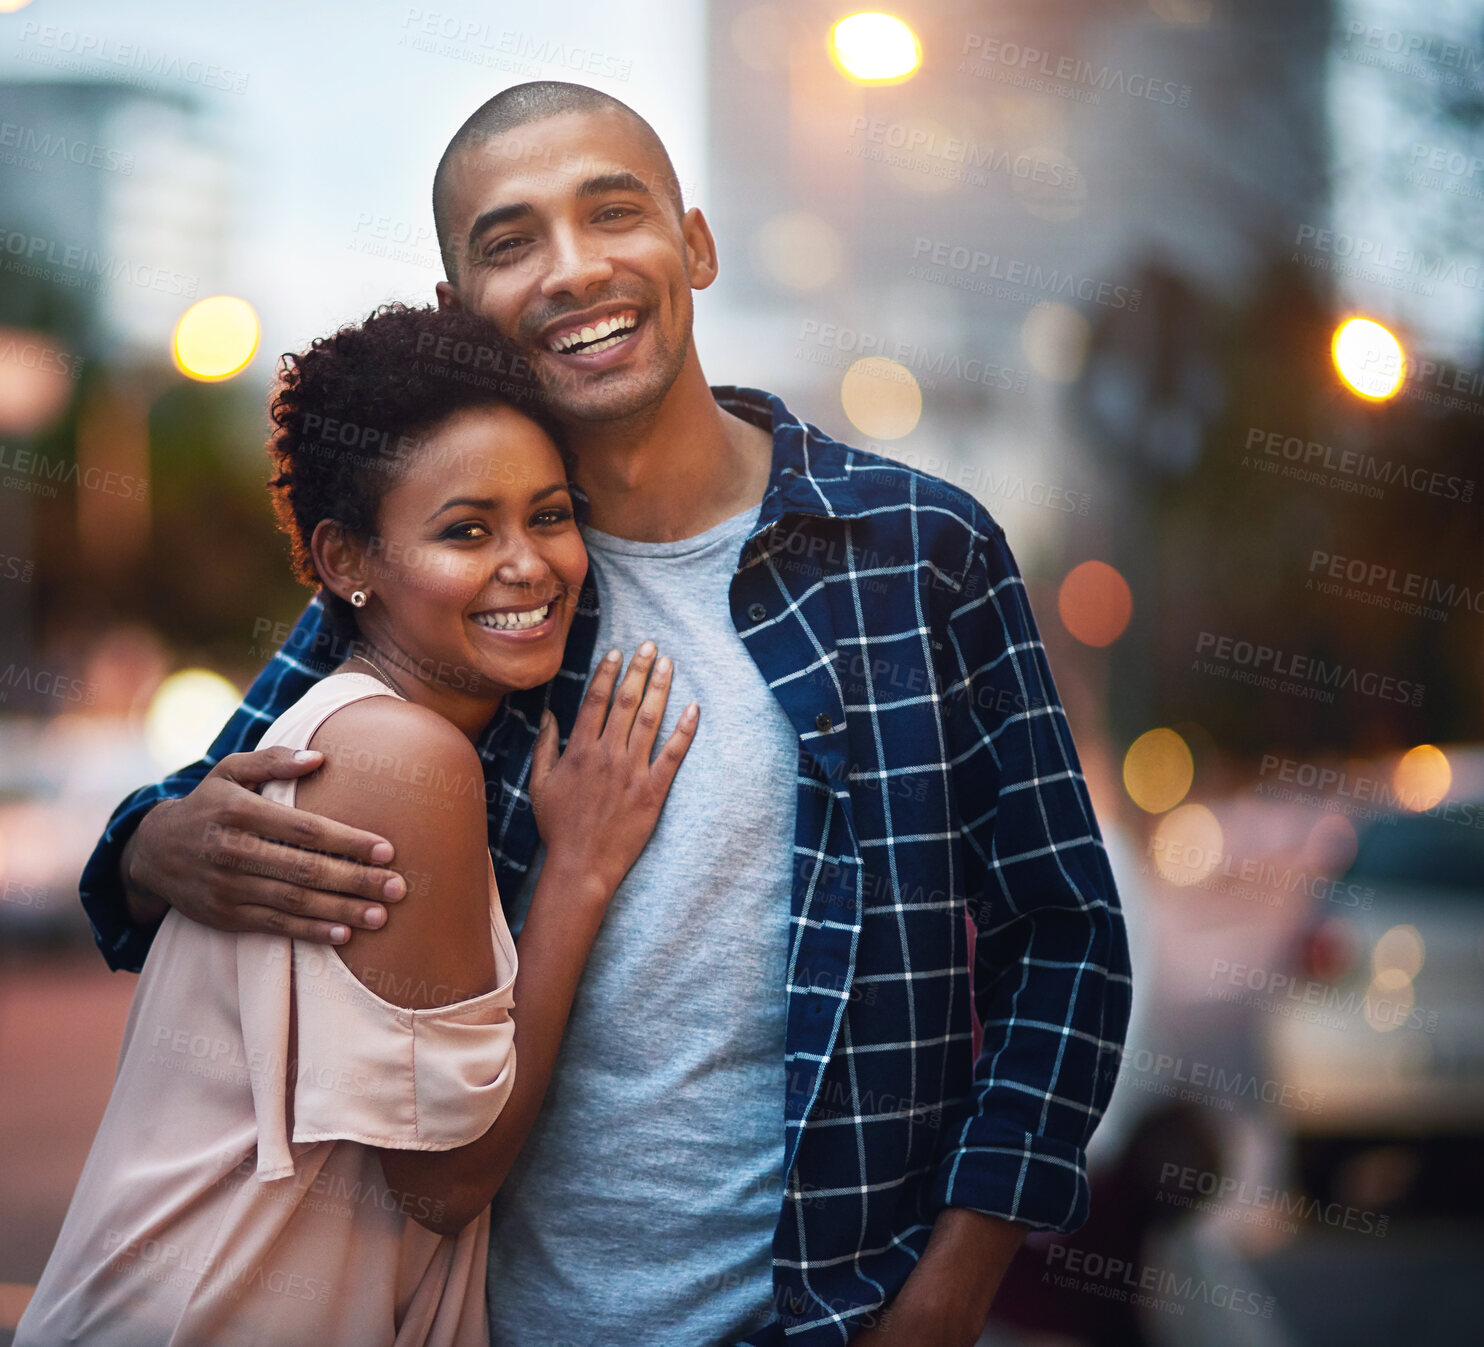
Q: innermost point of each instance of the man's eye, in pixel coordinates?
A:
(505, 245)
(615, 212)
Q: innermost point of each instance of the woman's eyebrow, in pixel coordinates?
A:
(478, 502)
(489, 502)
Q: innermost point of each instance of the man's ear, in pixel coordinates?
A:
(448, 296)
(339, 559)
(700, 248)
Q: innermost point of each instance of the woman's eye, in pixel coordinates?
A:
(469, 529)
(556, 515)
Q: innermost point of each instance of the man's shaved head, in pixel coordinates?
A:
(518, 106)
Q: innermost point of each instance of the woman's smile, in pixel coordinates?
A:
(534, 623)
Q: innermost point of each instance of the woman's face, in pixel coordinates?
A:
(474, 576)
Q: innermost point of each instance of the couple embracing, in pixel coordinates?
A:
(587, 935)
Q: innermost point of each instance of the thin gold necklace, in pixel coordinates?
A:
(382, 673)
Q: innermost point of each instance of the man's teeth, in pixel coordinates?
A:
(514, 621)
(608, 333)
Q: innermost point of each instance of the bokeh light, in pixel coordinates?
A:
(1387, 1007)
(1422, 777)
(216, 338)
(881, 398)
(1368, 358)
(1187, 844)
(1398, 956)
(1095, 603)
(875, 48)
(1331, 845)
(186, 712)
(1158, 770)
(36, 380)
(1054, 338)
(797, 250)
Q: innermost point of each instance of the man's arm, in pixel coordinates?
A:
(1051, 967)
(946, 1297)
(222, 853)
(1051, 970)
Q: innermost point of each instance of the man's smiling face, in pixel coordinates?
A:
(565, 235)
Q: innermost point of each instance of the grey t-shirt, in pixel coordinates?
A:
(643, 1206)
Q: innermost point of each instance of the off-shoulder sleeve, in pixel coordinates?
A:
(331, 1060)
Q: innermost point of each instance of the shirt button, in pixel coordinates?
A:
(757, 612)
(823, 723)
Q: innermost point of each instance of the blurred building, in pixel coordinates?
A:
(1087, 236)
(114, 201)
(1099, 158)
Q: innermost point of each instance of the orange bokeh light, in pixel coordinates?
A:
(1095, 603)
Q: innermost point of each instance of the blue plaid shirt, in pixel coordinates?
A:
(937, 781)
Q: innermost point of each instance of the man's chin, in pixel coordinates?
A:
(607, 397)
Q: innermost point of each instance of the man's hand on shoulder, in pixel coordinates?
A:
(227, 858)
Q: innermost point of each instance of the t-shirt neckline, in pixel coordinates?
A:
(738, 525)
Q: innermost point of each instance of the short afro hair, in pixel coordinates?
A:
(351, 410)
(520, 105)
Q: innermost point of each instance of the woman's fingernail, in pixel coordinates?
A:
(662, 665)
(613, 655)
(647, 649)
(691, 713)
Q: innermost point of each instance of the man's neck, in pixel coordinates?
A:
(676, 470)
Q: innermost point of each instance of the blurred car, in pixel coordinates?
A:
(1386, 1019)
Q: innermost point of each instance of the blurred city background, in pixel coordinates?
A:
(1189, 293)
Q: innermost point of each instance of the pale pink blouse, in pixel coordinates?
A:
(230, 1197)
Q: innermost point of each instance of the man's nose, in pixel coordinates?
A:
(574, 265)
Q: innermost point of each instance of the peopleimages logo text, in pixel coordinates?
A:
(1264, 666)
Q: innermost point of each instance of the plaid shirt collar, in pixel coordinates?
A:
(807, 479)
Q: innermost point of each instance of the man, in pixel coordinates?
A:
(881, 753)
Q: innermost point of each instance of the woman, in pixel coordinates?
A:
(302, 1142)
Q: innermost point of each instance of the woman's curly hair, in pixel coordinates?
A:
(348, 411)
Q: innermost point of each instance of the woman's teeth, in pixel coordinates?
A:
(532, 617)
(608, 333)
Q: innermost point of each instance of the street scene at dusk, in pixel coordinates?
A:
(1022, 882)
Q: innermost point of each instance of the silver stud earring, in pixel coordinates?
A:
(358, 599)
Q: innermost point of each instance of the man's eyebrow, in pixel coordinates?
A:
(613, 182)
(518, 210)
(498, 216)
(489, 502)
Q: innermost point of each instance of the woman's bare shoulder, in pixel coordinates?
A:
(386, 757)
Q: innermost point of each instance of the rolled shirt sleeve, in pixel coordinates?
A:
(1051, 969)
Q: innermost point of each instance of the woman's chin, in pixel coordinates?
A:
(519, 668)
